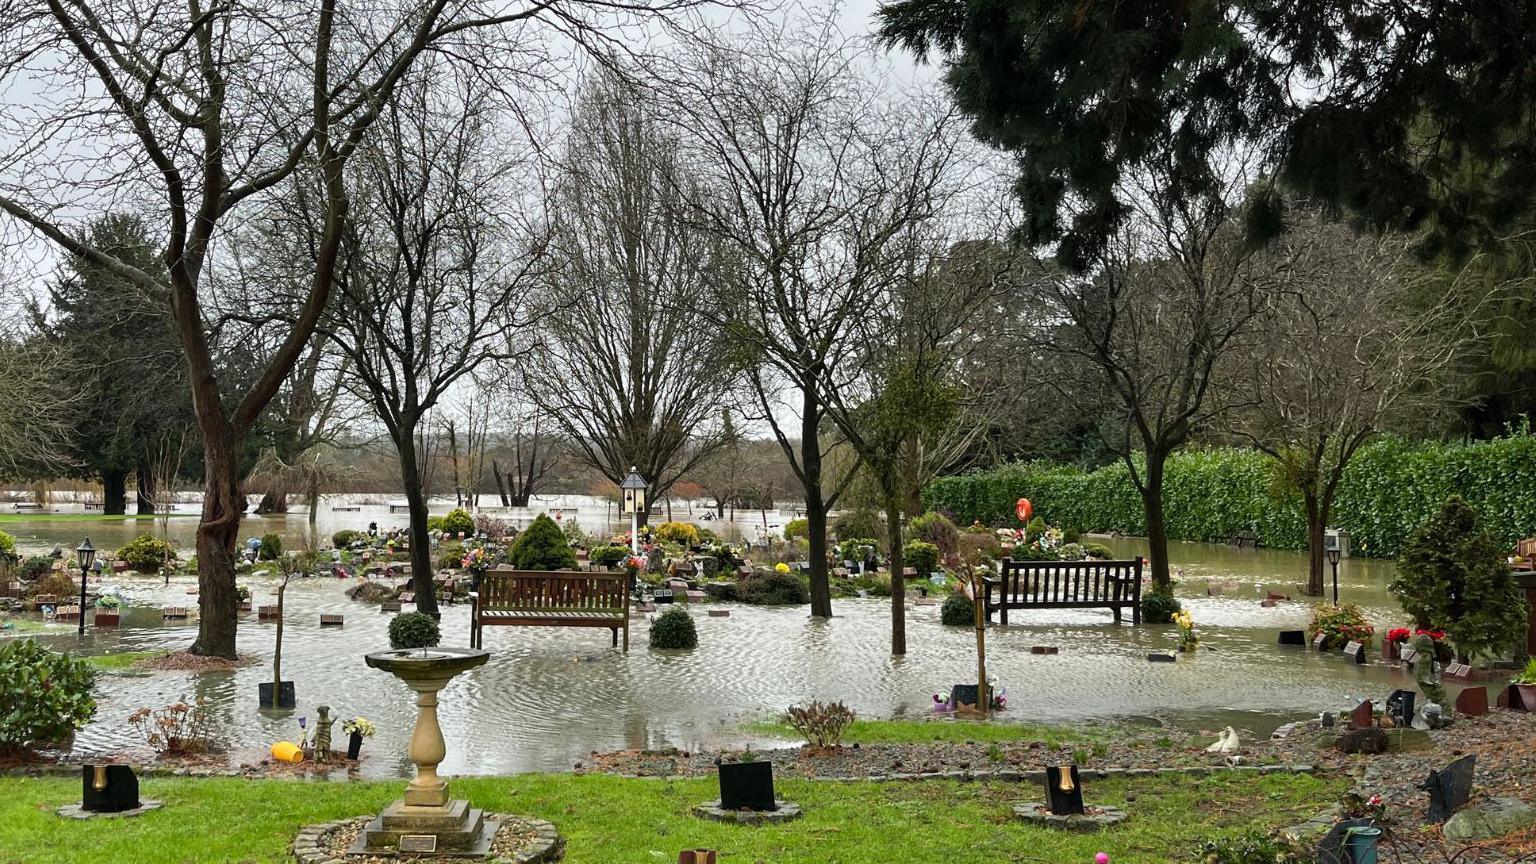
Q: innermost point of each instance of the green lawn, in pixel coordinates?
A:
(121, 661)
(605, 818)
(938, 729)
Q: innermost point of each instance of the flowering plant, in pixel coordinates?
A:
(634, 564)
(359, 726)
(1437, 635)
(1341, 624)
(476, 561)
(781, 567)
(175, 729)
(1188, 638)
(1398, 634)
(1356, 806)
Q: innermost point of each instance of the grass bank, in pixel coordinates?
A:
(122, 661)
(945, 730)
(13, 518)
(606, 818)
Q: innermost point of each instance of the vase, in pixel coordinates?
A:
(1527, 695)
(354, 745)
(1390, 651)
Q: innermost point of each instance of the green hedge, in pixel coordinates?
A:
(1390, 487)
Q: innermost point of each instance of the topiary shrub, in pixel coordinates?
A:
(147, 553)
(344, 538)
(796, 529)
(958, 610)
(1158, 606)
(772, 588)
(542, 547)
(1097, 551)
(857, 523)
(684, 534)
(47, 696)
(921, 557)
(674, 630)
(1451, 576)
(608, 556)
(936, 528)
(458, 521)
(413, 630)
(271, 548)
(1034, 529)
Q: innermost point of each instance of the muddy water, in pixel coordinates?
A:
(550, 696)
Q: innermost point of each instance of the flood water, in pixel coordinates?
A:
(548, 697)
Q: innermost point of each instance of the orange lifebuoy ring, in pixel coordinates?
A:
(1024, 509)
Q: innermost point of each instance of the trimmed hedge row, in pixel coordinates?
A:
(1209, 495)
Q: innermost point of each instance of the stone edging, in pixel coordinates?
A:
(712, 810)
(547, 845)
(1035, 813)
(78, 811)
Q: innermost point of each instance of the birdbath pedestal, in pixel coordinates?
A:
(426, 821)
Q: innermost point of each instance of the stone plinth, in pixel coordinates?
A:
(1096, 819)
(712, 810)
(77, 811)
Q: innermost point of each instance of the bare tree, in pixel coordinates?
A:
(525, 438)
(438, 267)
(1348, 349)
(811, 172)
(189, 112)
(628, 367)
(39, 400)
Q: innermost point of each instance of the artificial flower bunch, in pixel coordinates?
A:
(359, 726)
(1188, 638)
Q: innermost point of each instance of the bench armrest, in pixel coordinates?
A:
(991, 580)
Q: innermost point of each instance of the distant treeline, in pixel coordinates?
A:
(1212, 494)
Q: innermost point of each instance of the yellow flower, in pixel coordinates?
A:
(781, 567)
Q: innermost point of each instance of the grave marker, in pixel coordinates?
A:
(1450, 788)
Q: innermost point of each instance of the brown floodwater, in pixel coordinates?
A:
(549, 697)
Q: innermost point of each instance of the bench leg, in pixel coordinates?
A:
(614, 631)
(626, 637)
(1003, 615)
(1116, 611)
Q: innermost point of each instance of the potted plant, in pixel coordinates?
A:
(243, 594)
(357, 729)
(107, 614)
(1526, 684)
(1392, 646)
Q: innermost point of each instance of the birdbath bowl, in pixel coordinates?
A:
(425, 820)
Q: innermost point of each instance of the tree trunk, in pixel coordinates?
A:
(815, 506)
(145, 502)
(1157, 531)
(898, 574)
(114, 493)
(218, 533)
(314, 504)
(1315, 530)
(416, 501)
(501, 483)
(273, 501)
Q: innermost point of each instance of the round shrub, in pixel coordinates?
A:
(8, 549)
(458, 521)
(1342, 624)
(773, 588)
(271, 548)
(856, 548)
(857, 523)
(958, 610)
(673, 629)
(344, 538)
(608, 556)
(413, 630)
(922, 557)
(797, 528)
(34, 568)
(147, 553)
(47, 695)
(1097, 551)
(936, 528)
(682, 533)
(542, 547)
(1158, 606)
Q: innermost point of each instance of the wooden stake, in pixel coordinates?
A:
(983, 698)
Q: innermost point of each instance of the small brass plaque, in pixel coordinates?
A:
(418, 843)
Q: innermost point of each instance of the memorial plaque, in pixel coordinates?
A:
(1407, 655)
(1063, 790)
(661, 595)
(1320, 642)
(1458, 670)
(747, 786)
(327, 620)
(1472, 701)
(418, 843)
(1363, 716)
(1400, 707)
(266, 612)
(963, 694)
(109, 789)
(1293, 637)
(1355, 651)
(1450, 788)
(1161, 658)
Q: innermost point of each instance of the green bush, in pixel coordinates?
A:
(772, 588)
(1343, 624)
(8, 549)
(271, 548)
(922, 557)
(673, 630)
(147, 553)
(450, 555)
(1158, 606)
(936, 528)
(858, 523)
(684, 534)
(1097, 551)
(413, 630)
(1035, 529)
(853, 549)
(542, 547)
(574, 536)
(608, 556)
(458, 521)
(1211, 494)
(979, 547)
(958, 610)
(797, 529)
(35, 567)
(344, 538)
(1451, 576)
(47, 695)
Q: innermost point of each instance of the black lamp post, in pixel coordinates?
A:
(85, 554)
(1333, 559)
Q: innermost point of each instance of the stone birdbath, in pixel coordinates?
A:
(426, 820)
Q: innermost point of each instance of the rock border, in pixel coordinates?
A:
(1034, 813)
(788, 810)
(78, 811)
(547, 844)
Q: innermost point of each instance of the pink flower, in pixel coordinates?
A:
(1101, 858)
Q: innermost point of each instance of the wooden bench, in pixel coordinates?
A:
(1113, 585)
(550, 598)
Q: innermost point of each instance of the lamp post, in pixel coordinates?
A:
(85, 555)
(1333, 559)
(634, 487)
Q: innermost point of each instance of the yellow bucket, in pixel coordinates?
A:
(287, 751)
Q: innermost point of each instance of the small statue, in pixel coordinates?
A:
(1424, 672)
(323, 734)
(657, 560)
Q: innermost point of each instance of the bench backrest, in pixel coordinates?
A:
(505, 588)
(1071, 581)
